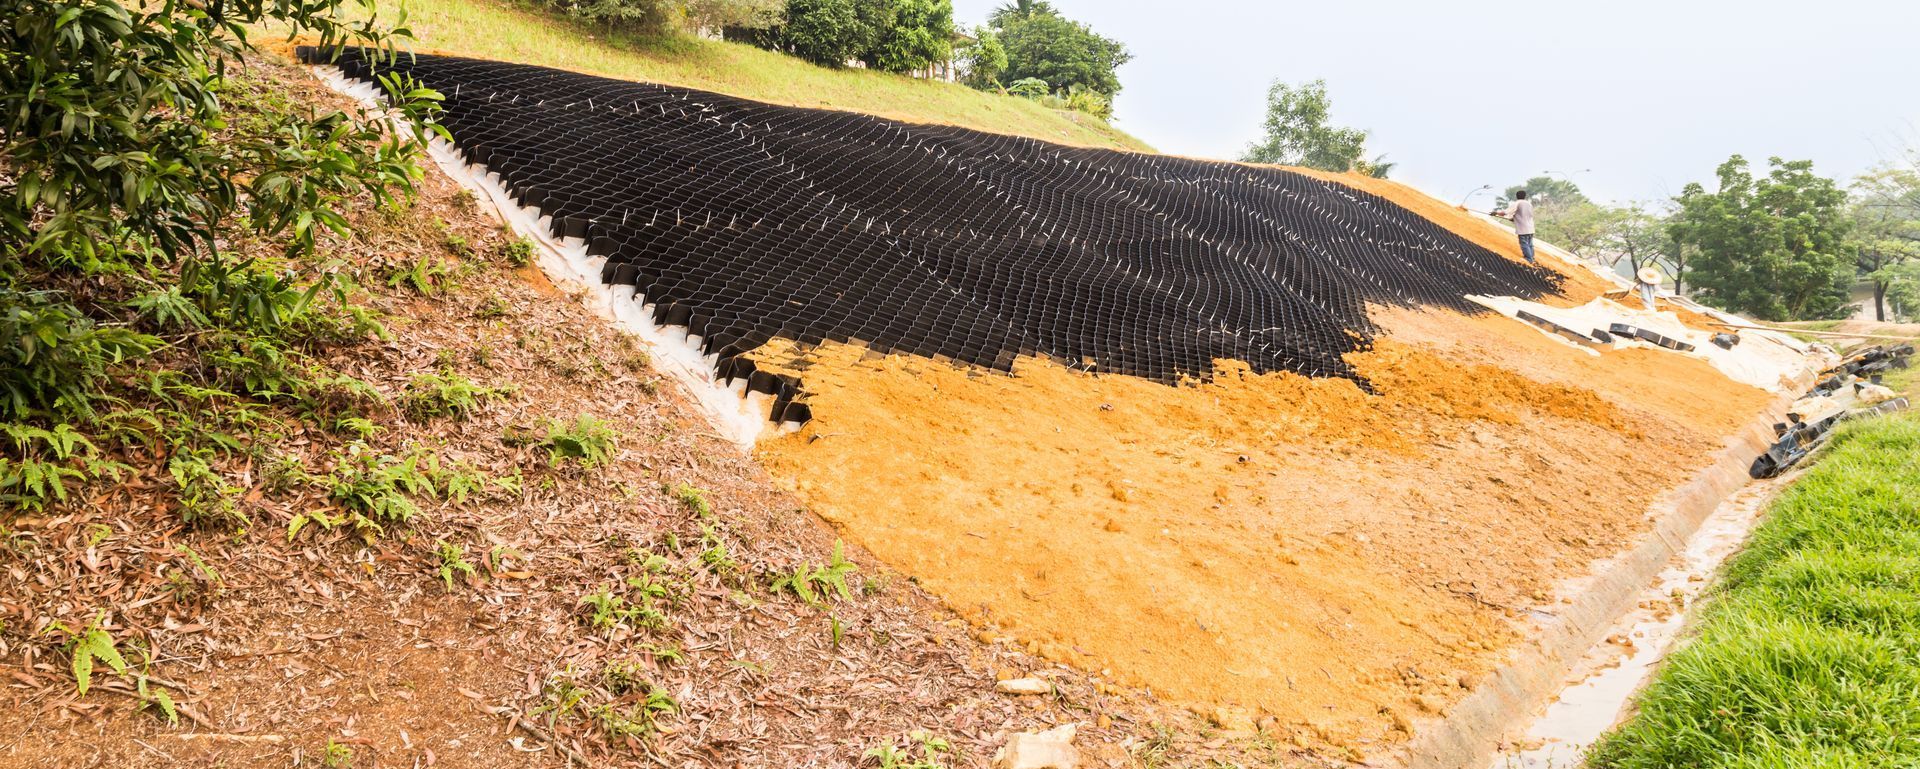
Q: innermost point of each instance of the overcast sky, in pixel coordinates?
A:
(1649, 95)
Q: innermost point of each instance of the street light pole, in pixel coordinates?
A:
(1478, 190)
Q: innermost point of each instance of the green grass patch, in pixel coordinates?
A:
(1812, 325)
(507, 31)
(1808, 653)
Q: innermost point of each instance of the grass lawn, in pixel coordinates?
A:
(499, 29)
(1808, 654)
(1812, 325)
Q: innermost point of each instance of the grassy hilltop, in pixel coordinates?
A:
(499, 30)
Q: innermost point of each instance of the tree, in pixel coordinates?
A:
(1020, 9)
(1886, 214)
(645, 16)
(710, 15)
(1903, 288)
(1545, 192)
(887, 35)
(907, 35)
(826, 32)
(1297, 133)
(1640, 237)
(110, 118)
(1378, 167)
(1040, 43)
(662, 17)
(982, 59)
(1774, 247)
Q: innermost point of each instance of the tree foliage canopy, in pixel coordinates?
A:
(887, 35)
(1775, 247)
(661, 17)
(1545, 192)
(1886, 215)
(1297, 132)
(908, 35)
(982, 60)
(1040, 43)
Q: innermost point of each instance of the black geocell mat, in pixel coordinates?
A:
(747, 222)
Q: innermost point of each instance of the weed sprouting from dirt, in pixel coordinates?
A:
(694, 499)
(336, 756)
(453, 563)
(589, 442)
(447, 394)
(715, 555)
(516, 253)
(815, 584)
(613, 611)
(640, 719)
(932, 753)
(423, 275)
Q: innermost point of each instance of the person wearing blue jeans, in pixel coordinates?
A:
(1520, 211)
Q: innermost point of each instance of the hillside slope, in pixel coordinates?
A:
(1342, 560)
(492, 29)
(530, 611)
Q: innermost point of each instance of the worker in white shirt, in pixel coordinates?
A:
(1520, 211)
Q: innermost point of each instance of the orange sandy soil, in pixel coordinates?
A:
(1271, 545)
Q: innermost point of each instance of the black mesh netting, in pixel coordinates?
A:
(745, 222)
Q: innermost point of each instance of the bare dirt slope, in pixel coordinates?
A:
(323, 646)
(1341, 563)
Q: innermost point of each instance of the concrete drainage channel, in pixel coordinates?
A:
(1560, 691)
(1609, 675)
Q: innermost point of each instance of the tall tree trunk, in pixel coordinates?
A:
(1880, 301)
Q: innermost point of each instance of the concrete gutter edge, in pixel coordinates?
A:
(1467, 736)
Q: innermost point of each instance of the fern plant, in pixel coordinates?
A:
(814, 584)
(453, 561)
(588, 442)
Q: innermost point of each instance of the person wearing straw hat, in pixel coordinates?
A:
(1648, 281)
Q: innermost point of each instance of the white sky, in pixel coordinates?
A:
(1649, 95)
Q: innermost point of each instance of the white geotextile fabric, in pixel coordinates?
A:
(1761, 359)
(738, 415)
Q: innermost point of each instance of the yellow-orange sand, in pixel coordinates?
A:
(1340, 561)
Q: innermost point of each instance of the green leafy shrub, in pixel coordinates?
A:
(453, 562)
(43, 463)
(379, 490)
(205, 496)
(517, 252)
(588, 442)
(53, 357)
(135, 150)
